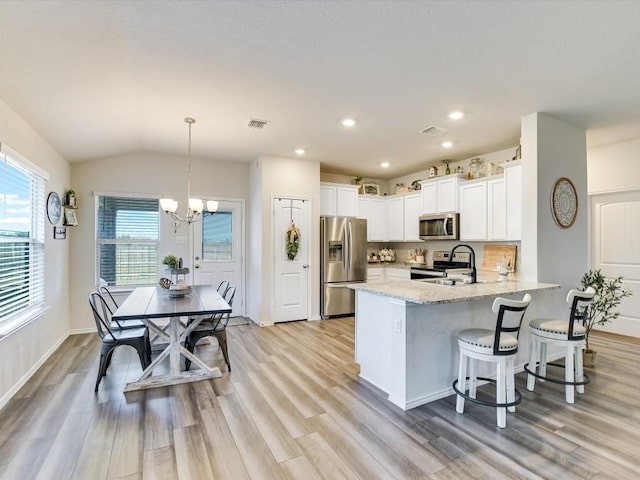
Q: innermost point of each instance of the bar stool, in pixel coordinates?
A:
(497, 346)
(569, 334)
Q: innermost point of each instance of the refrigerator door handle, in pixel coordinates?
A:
(349, 249)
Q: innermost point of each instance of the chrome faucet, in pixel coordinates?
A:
(474, 278)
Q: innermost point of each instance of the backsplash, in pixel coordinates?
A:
(401, 250)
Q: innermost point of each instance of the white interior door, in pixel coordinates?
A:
(218, 250)
(291, 282)
(614, 250)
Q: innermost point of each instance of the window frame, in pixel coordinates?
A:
(98, 242)
(38, 179)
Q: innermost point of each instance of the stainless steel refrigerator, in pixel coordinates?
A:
(343, 260)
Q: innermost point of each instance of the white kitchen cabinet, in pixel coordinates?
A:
(377, 222)
(374, 211)
(395, 216)
(364, 208)
(394, 274)
(338, 200)
(403, 213)
(496, 209)
(448, 195)
(440, 195)
(429, 192)
(412, 212)
(513, 189)
(473, 210)
(375, 274)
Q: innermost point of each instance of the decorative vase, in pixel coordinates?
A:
(589, 357)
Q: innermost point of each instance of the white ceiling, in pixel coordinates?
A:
(101, 78)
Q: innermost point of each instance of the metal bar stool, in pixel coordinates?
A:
(568, 333)
(497, 346)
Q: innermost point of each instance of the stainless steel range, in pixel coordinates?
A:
(461, 262)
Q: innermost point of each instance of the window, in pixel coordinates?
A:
(127, 240)
(217, 236)
(21, 240)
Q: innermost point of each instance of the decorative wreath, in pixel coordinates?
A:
(292, 241)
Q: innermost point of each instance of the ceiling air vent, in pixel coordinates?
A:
(259, 124)
(434, 131)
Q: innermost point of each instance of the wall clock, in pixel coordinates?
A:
(54, 207)
(564, 202)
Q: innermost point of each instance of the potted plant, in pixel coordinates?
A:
(70, 198)
(171, 261)
(604, 306)
(357, 180)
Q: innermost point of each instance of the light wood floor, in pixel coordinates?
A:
(294, 408)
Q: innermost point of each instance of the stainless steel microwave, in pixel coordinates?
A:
(445, 226)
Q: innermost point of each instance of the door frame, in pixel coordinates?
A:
(272, 290)
(243, 243)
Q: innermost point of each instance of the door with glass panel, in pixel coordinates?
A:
(218, 249)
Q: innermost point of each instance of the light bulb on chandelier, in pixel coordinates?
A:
(196, 205)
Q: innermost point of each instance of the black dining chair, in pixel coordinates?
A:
(223, 286)
(113, 337)
(215, 326)
(111, 306)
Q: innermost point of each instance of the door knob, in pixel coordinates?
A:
(305, 266)
(196, 266)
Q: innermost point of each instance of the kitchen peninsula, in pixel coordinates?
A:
(406, 341)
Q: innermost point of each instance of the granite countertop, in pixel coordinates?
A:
(428, 293)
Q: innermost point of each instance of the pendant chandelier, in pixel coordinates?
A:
(196, 205)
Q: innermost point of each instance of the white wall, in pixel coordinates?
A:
(615, 167)
(141, 173)
(552, 149)
(614, 176)
(281, 176)
(24, 350)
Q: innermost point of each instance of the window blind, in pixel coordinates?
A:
(22, 259)
(127, 240)
(217, 236)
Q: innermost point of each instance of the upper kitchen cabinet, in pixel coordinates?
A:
(496, 209)
(374, 210)
(395, 215)
(513, 191)
(440, 195)
(473, 210)
(403, 217)
(338, 200)
(491, 208)
(412, 212)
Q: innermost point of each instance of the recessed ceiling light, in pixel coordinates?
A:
(456, 115)
(300, 151)
(384, 164)
(348, 122)
(447, 144)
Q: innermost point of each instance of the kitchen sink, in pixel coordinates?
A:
(453, 282)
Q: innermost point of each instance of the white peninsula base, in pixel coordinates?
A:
(409, 350)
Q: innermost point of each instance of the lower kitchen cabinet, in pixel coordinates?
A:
(386, 273)
(396, 274)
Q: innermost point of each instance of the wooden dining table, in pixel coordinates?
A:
(153, 305)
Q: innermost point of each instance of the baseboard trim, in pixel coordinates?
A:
(417, 401)
(80, 331)
(25, 378)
